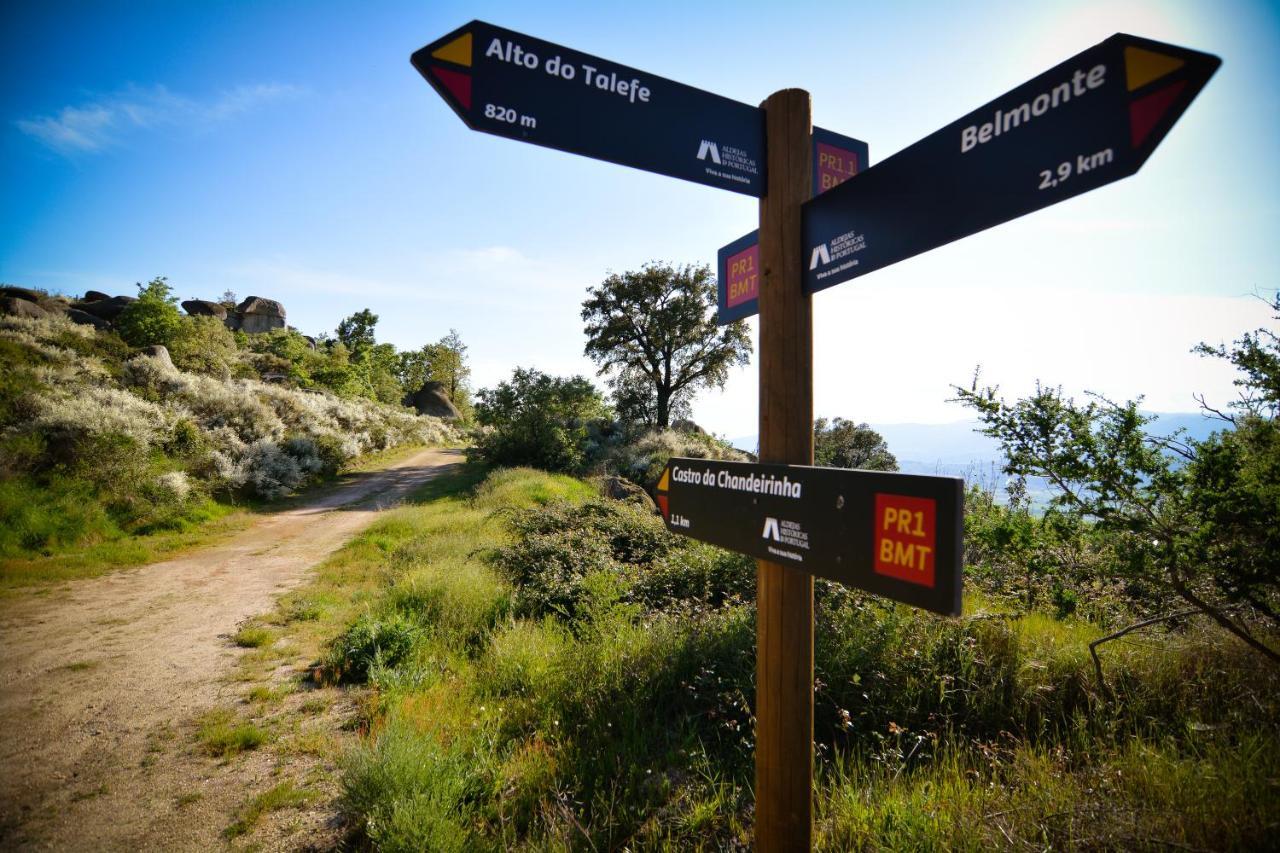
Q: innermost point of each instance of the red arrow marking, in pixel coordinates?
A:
(458, 84)
(1147, 110)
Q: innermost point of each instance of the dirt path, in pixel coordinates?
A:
(95, 678)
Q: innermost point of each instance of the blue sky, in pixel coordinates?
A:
(288, 150)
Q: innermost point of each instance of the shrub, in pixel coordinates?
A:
(204, 345)
(537, 420)
(371, 643)
(413, 793)
(153, 318)
(558, 547)
(643, 459)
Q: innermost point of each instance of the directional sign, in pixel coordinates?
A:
(1092, 120)
(897, 535)
(836, 158)
(513, 85)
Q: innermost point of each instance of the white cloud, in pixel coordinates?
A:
(94, 125)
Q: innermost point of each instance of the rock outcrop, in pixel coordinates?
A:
(22, 293)
(107, 309)
(84, 318)
(431, 399)
(95, 296)
(161, 353)
(205, 308)
(255, 315)
(16, 307)
(622, 489)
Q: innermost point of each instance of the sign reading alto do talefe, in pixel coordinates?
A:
(836, 159)
(510, 84)
(896, 535)
(1094, 119)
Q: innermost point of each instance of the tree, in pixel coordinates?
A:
(538, 420)
(153, 318)
(1197, 520)
(654, 330)
(448, 358)
(844, 444)
(356, 331)
(374, 366)
(444, 361)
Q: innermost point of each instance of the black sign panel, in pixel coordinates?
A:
(1092, 120)
(836, 158)
(896, 535)
(512, 85)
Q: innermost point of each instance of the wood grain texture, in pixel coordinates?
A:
(784, 626)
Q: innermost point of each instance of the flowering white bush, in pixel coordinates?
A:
(44, 328)
(99, 410)
(643, 460)
(175, 484)
(264, 437)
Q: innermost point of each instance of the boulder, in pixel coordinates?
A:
(205, 308)
(622, 489)
(161, 353)
(95, 296)
(431, 399)
(107, 309)
(14, 307)
(686, 425)
(84, 318)
(258, 315)
(23, 293)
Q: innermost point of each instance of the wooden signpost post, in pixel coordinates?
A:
(1089, 121)
(784, 595)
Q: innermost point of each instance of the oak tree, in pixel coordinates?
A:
(654, 332)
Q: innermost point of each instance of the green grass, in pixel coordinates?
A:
(254, 637)
(285, 795)
(627, 722)
(80, 665)
(223, 735)
(99, 547)
(59, 533)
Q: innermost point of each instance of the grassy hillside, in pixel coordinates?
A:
(548, 670)
(103, 445)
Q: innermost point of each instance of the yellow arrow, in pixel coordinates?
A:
(457, 51)
(1143, 66)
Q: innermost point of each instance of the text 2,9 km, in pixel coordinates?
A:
(1083, 163)
(509, 115)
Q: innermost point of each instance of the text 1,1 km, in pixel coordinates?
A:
(509, 115)
(1083, 163)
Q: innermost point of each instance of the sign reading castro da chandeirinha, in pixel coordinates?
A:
(896, 535)
(513, 85)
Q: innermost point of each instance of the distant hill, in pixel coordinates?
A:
(959, 449)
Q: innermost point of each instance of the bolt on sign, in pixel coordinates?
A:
(836, 159)
(510, 84)
(1087, 122)
(896, 535)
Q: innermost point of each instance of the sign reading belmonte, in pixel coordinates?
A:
(509, 84)
(1094, 119)
(897, 535)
